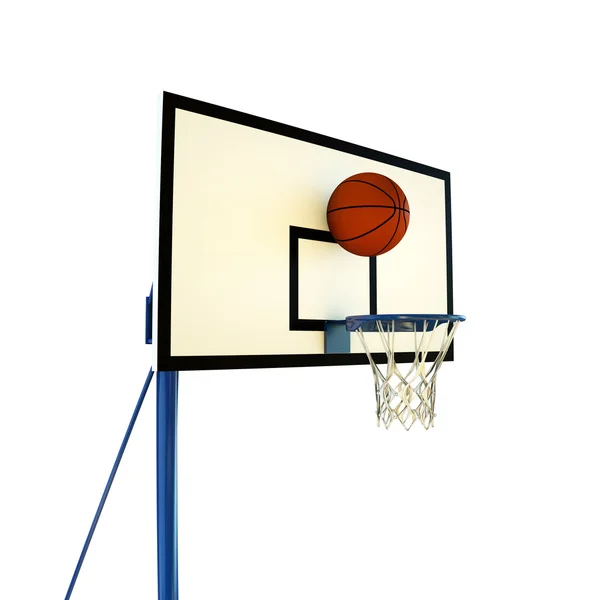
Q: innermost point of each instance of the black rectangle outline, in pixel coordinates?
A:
(167, 362)
(373, 285)
(165, 236)
(316, 235)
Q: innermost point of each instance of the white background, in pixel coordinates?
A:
(287, 488)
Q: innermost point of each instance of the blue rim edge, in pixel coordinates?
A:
(368, 323)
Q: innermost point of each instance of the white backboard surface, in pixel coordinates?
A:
(248, 272)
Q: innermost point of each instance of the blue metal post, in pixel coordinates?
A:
(111, 478)
(166, 483)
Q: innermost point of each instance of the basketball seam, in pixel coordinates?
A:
(398, 221)
(394, 208)
(368, 183)
(367, 232)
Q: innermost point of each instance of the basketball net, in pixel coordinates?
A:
(408, 397)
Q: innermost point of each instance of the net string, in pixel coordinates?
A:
(408, 397)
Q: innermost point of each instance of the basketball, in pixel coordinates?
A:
(368, 214)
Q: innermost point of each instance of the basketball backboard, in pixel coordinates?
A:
(248, 271)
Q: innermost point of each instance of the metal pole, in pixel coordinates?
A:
(166, 483)
(111, 478)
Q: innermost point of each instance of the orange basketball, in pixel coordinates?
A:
(368, 214)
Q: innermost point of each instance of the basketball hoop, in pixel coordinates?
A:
(407, 397)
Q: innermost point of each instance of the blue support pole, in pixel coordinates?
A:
(166, 483)
(111, 478)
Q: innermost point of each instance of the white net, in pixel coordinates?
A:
(410, 396)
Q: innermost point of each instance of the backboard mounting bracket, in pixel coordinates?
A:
(149, 316)
(337, 337)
